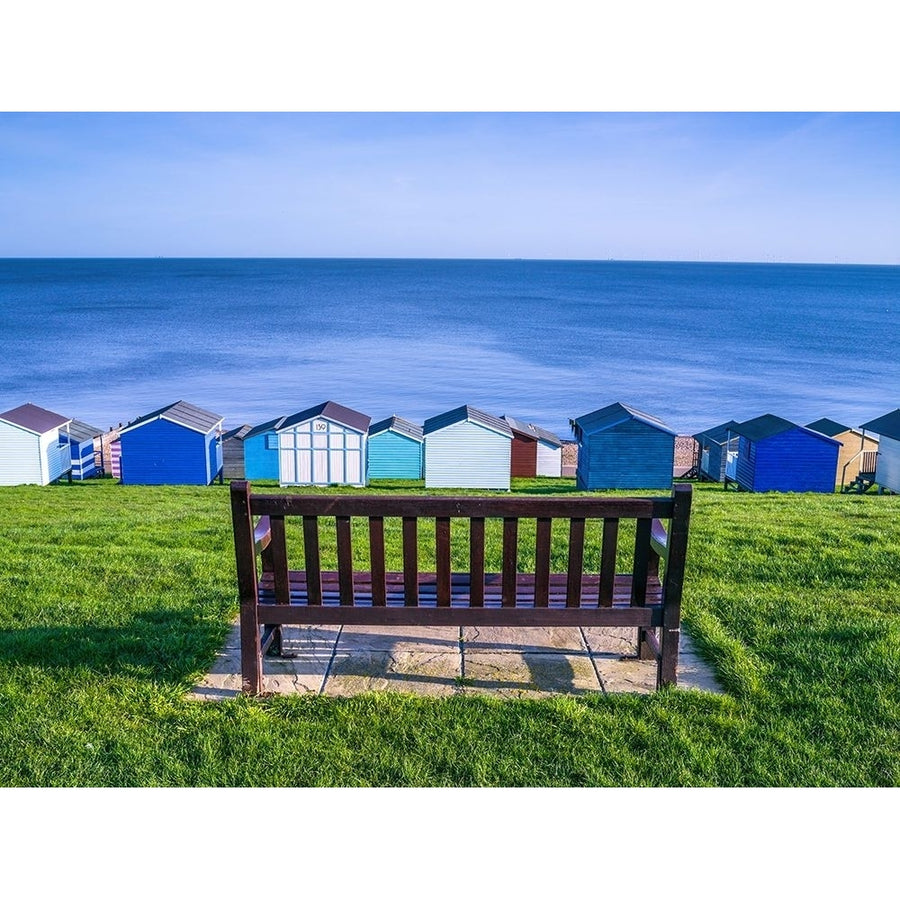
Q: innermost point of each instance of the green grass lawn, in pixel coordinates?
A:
(794, 599)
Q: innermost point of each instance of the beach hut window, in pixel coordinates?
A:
(271, 442)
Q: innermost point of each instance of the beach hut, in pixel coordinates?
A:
(622, 447)
(233, 452)
(395, 449)
(777, 455)
(32, 449)
(84, 446)
(887, 467)
(178, 444)
(858, 450)
(718, 458)
(325, 444)
(115, 458)
(467, 448)
(535, 451)
(261, 451)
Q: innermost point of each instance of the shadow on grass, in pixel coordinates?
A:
(160, 646)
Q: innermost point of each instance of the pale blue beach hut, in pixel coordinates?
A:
(718, 452)
(396, 449)
(32, 449)
(261, 451)
(622, 447)
(467, 448)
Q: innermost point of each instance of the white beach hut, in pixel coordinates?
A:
(887, 467)
(32, 451)
(467, 448)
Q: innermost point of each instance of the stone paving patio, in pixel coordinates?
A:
(440, 661)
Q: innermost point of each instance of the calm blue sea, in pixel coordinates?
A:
(692, 343)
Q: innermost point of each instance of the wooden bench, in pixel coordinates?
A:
(272, 594)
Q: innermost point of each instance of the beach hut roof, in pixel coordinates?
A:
(467, 414)
(767, 426)
(717, 435)
(180, 413)
(532, 431)
(616, 414)
(329, 410)
(271, 425)
(829, 427)
(80, 431)
(33, 418)
(240, 432)
(402, 426)
(887, 425)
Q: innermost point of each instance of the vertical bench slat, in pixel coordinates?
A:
(410, 561)
(510, 554)
(279, 560)
(608, 561)
(376, 559)
(670, 633)
(542, 562)
(641, 562)
(245, 557)
(576, 562)
(476, 562)
(442, 559)
(345, 559)
(312, 563)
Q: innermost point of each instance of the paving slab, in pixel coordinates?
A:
(435, 674)
(626, 676)
(434, 638)
(477, 639)
(611, 641)
(528, 674)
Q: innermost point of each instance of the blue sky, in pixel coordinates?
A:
(817, 187)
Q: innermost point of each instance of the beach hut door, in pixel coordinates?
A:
(731, 465)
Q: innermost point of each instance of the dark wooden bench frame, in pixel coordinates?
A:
(272, 595)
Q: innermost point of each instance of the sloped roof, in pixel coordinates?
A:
(467, 414)
(329, 410)
(532, 431)
(240, 432)
(180, 413)
(402, 426)
(767, 426)
(80, 431)
(887, 425)
(717, 435)
(828, 427)
(34, 418)
(271, 425)
(615, 414)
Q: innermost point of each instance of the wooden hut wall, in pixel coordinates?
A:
(851, 443)
(320, 451)
(466, 454)
(887, 474)
(393, 455)
(115, 458)
(631, 454)
(794, 460)
(162, 452)
(20, 456)
(83, 463)
(549, 460)
(233, 458)
(523, 456)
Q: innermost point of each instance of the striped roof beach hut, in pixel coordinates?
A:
(233, 452)
(32, 450)
(887, 471)
(858, 449)
(622, 447)
(395, 449)
(177, 444)
(84, 446)
(325, 444)
(535, 451)
(777, 455)
(717, 457)
(467, 448)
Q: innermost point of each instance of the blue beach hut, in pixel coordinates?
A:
(178, 444)
(261, 451)
(325, 444)
(467, 448)
(81, 438)
(777, 455)
(622, 447)
(395, 449)
(718, 458)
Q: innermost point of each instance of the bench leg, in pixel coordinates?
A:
(251, 656)
(646, 644)
(668, 657)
